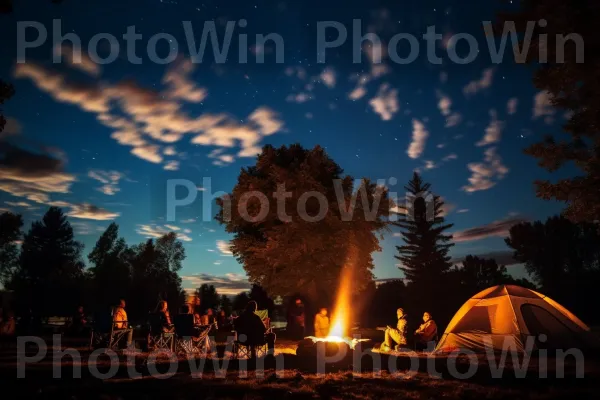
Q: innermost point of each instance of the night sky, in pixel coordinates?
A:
(101, 140)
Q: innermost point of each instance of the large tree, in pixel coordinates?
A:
(572, 86)
(562, 257)
(476, 274)
(10, 234)
(50, 273)
(286, 250)
(424, 256)
(110, 270)
(209, 298)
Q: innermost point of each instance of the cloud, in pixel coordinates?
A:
(169, 151)
(451, 156)
(298, 72)
(188, 221)
(445, 106)
(429, 165)
(419, 138)
(494, 229)
(485, 175)
(109, 179)
(33, 174)
(358, 93)
(462, 211)
(154, 231)
(267, 120)
(328, 77)
(224, 247)
(482, 83)
(493, 130)
(90, 211)
(299, 98)
(180, 87)
(228, 284)
(542, 107)
(79, 61)
(386, 102)
(146, 119)
(511, 106)
(172, 165)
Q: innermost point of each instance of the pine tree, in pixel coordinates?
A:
(424, 256)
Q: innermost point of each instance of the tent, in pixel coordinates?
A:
(508, 315)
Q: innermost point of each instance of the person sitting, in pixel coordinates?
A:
(78, 325)
(322, 323)
(208, 318)
(197, 319)
(162, 311)
(426, 332)
(396, 335)
(251, 330)
(8, 326)
(120, 320)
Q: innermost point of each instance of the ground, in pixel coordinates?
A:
(196, 378)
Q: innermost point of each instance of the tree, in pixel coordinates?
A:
(226, 304)
(110, 271)
(477, 274)
(50, 273)
(209, 298)
(154, 275)
(424, 257)
(285, 251)
(387, 297)
(573, 88)
(240, 301)
(10, 234)
(562, 257)
(6, 92)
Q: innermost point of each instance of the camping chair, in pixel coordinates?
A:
(189, 338)
(104, 333)
(158, 339)
(435, 341)
(241, 349)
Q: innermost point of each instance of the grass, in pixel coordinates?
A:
(298, 380)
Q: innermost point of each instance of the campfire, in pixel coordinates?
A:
(338, 332)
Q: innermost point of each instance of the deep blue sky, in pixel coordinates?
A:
(128, 122)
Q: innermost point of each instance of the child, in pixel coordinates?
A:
(322, 323)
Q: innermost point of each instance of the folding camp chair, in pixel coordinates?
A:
(242, 349)
(158, 339)
(106, 334)
(189, 338)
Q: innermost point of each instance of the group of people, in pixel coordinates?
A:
(396, 337)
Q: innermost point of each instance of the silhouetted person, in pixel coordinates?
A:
(8, 326)
(208, 318)
(222, 320)
(426, 332)
(296, 320)
(251, 330)
(162, 312)
(78, 322)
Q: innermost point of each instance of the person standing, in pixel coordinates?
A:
(322, 323)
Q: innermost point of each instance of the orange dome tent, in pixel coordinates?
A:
(507, 314)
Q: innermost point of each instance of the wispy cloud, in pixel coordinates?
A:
(542, 107)
(90, 211)
(77, 59)
(385, 103)
(493, 132)
(419, 138)
(228, 284)
(480, 84)
(153, 231)
(511, 106)
(328, 77)
(485, 175)
(224, 247)
(494, 229)
(109, 179)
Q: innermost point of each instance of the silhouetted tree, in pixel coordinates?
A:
(386, 299)
(562, 257)
(261, 297)
(283, 250)
(50, 272)
(6, 92)
(209, 298)
(573, 88)
(10, 234)
(110, 272)
(476, 274)
(240, 301)
(226, 304)
(424, 257)
(154, 275)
